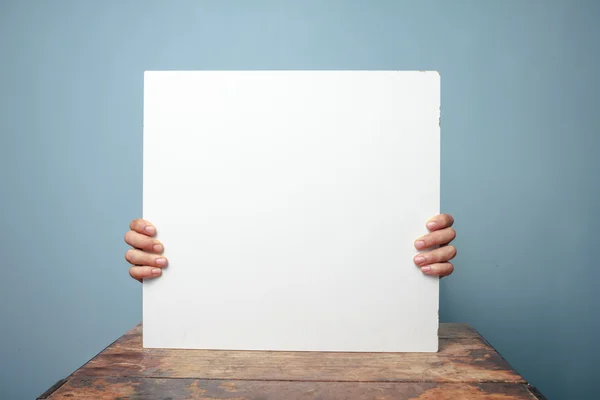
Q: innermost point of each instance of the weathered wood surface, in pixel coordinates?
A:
(152, 388)
(466, 367)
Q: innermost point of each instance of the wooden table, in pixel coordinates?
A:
(466, 367)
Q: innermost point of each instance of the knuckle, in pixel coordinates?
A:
(435, 238)
(452, 233)
(444, 220)
(129, 237)
(134, 273)
(130, 256)
(137, 224)
(452, 251)
(426, 240)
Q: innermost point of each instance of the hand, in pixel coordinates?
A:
(147, 261)
(145, 257)
(437, 261)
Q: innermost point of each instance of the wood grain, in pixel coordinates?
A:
(85, 388)
(466, 367)
(454, 330)
(462, 358)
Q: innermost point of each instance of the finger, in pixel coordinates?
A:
(141, 272)
(436, 238)
(142, 226)
(439, 255)
(139, 257)
(439, 269)
(440, 222)
(143, 242)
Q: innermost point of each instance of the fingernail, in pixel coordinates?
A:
(419, 259)
(420, 244)
(156, 271)
(150, 229)
(157, 248)
(426, 269)
(161, 261)
(431, 225)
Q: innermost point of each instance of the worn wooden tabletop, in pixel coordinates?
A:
(466, 367)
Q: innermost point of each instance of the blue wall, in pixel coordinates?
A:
(520, 139)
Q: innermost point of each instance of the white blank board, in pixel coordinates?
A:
(288, 203)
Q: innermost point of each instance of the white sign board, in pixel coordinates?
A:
(288, 203)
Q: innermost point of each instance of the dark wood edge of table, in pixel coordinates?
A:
(52, 389)
(534, 391)
(61, 382)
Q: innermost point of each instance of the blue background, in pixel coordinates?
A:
(519, 159)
